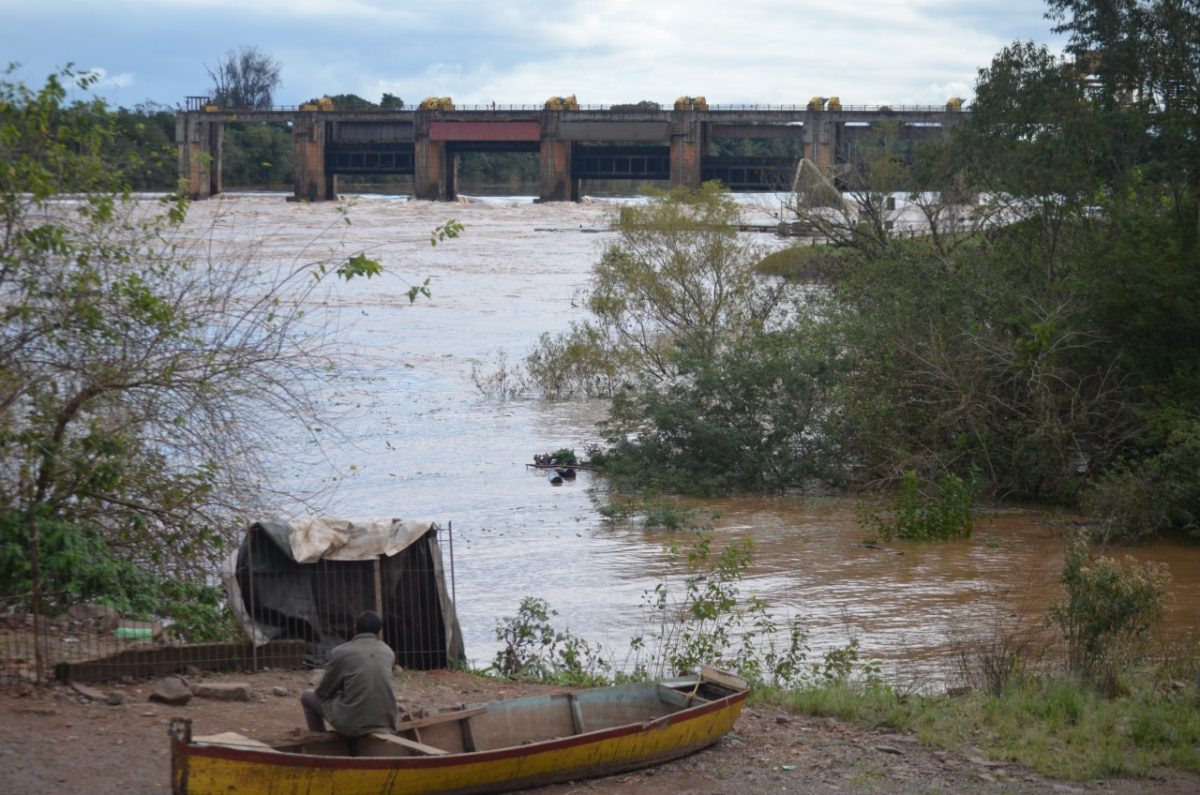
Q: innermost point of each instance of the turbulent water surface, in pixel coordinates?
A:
(416, 439)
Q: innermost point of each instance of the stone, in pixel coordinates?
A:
(172, 690)
(114, 699)
(279, 691)
(223, 691)
(102, 617)
(90, 693)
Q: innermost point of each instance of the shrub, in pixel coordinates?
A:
(535, 650)
(1136, 501)
(709, 623)
(77, 566)
(947, 514)
(1109, 612)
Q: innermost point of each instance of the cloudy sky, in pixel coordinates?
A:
(603, 51)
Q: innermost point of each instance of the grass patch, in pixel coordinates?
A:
(1059, 727)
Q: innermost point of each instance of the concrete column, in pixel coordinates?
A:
(687, 149)
(199, 141)
(820, 139)
(309, 181)
(431, 178)
(554, 172)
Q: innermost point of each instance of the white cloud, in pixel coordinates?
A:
(104, 80)
(604, 51)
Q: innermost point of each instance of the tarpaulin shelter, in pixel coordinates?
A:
(308, 579)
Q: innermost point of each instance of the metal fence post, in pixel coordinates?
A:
(378, 586)
(250, 569)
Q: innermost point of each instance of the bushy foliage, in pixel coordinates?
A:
(535, 650)
(1108, 613)
(705, 620)
(750, 415)
(1038, 329)
(77, 565)
(257, 155)
(139, 368)
(679, 270)
(948, 513)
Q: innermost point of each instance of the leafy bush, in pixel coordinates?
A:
(1139, 500)
(653, 511)
(711, 624)
(77, 566)
(917, 517)
(678, 268)
(741, 416)
(535, 650)
(1109, 612)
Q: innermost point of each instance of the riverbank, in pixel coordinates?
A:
(56, 740)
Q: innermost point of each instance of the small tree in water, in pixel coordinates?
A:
(1108, 613)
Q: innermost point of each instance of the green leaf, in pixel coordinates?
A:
(360, 265)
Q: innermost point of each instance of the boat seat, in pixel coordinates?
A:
(412, 745)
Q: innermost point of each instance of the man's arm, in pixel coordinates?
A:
(331, 680)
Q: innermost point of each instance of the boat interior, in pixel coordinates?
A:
(504, 724)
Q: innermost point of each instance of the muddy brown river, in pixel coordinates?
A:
(415, 439)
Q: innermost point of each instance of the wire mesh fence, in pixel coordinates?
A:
(288, 615)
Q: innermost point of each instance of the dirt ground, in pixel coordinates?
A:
(56, 740)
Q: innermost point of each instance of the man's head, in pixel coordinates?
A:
(368, 621)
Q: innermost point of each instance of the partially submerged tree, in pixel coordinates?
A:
(717, 384)
(679, 269)
(244, 78)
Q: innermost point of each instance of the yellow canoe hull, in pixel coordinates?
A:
(208, 769)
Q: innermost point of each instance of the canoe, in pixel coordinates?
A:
(494, 747)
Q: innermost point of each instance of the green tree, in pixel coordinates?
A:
(679, 269)
(1041, 336)
(1143, 59)
(747, 416)
(123, 356)
(137, 366)
(143, 146)
(351, 102)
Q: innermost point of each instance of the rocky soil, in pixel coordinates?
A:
(113, 739)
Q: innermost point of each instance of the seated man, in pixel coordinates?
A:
(355, 694)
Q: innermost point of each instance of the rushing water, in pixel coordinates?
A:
(418, 440)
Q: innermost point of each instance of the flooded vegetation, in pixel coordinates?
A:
(414, 437)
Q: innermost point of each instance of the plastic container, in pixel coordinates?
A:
(134, 633)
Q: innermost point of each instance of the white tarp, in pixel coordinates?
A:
(326, 538)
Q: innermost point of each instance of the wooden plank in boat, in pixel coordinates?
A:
(441, 717)
(722, 678)
(233, 738)
(412, 745)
